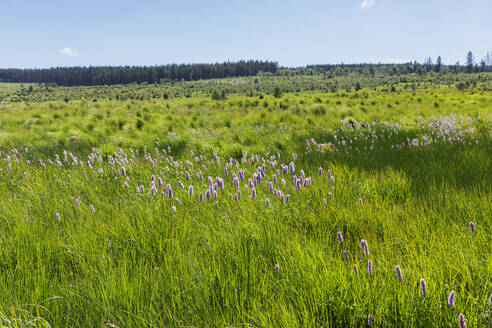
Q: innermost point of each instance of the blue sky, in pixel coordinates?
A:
(44, 33)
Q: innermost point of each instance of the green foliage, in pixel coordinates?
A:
(135, 263)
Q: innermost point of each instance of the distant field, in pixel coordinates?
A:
(6, 88)
(158, 206)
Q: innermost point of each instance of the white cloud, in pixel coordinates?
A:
(69, 52)
(366, 4)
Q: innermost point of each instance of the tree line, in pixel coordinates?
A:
(108, 75)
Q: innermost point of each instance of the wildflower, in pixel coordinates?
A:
(253, 193)
(451, 298)
(173, 208)
(324, 201)
(369, 267)
(472, 226)
(92, 209)
(277, 268)
(320, 171)
(123, 171)
(208, 194)
(346, 255)
(369, 320)
(178, 201)
(25, 175)
(153, 190)
(340, 237)
(142, 189)
(355, 269)
(332, 180)
(365, 246)
(360, 200)
(78, 201)
(287, 198)
(399, 273)
(190, 190)
(201, 197)
(461, 318)
(58, 217)
(268, 202)
(330, 195)
(423, 287)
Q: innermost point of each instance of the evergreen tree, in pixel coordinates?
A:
(438, 63)
(469, 62)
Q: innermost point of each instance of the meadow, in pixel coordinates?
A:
(158, 206)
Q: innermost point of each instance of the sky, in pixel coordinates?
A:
(48, 33)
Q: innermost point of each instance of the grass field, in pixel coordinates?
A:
(189, 211)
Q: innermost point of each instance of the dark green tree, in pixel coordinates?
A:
(469, 62)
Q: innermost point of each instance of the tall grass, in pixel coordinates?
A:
(133, 262)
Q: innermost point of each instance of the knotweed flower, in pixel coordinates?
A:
(365, 246)
(461, 318)
(330, 195)
(472, 226)
(187, 175)
(58, 217)
(78, 201)
(25, 175)
(230, 196)
(399, 274)
(178, 201)
(277, 268)
(208, 194)
(92, 209)
(292, 168)
(332, 179)
(340, 237)
(346, 255)
(287, 198)
(142, 189)
(451, 298)
(369, 320)
(360, 200)
(369, 267)
(324, 201)
(201, 197)
(320, 171)
(153, 190)
(355, 269)
(173, 208)
(123, 171)
(190, 190)
(423, 287)
(214, 193)
(268, 202)
(253, 193)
